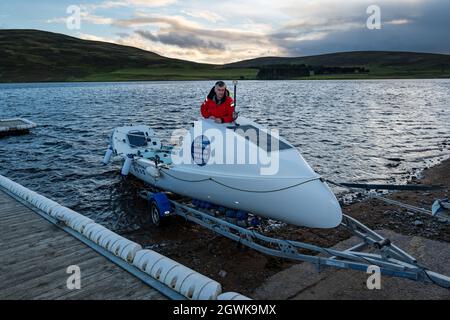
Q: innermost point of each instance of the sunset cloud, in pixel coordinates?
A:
(227, 31)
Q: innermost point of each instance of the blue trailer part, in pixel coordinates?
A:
(160, 206)
(162, 202)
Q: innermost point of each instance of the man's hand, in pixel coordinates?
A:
(218, 120)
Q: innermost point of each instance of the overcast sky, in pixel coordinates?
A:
(225, 31)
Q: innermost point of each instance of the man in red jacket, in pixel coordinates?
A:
(219, 106)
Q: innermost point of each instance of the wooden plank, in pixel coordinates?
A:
(29, 216)
(58, 259)
(100, 282)
(19, 213)
(24, 230)
(106, 273)
(46, 282)
(35, 255)
(22, 227)
(15, 213)
(9, 200)
(8, 207)
(55, 241)
(29, 269)
(108, 289)
(17, 219)
(140, 292)
(30, 250)
(13, 206)
(14, 239)
(43, 268)
(86, 269)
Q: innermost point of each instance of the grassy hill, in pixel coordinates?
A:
(33, 55)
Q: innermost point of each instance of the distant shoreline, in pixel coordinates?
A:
(240, 80)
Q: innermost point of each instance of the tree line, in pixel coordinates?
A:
(289, 71)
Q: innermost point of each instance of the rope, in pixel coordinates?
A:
(394, 202)
(388, 186)
(239, 189)
(394, 187)
(398, 203)
(404, 205)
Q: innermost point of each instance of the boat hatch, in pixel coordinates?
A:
(137, 139)
(259, 137)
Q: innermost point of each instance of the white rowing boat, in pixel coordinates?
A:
(239, 165)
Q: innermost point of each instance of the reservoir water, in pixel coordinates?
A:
(379, 131)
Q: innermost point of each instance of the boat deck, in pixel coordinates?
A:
(35, 255)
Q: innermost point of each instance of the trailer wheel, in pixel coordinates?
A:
(154, 213)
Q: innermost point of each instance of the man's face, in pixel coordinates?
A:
(220, 92)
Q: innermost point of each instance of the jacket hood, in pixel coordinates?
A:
(212, 94)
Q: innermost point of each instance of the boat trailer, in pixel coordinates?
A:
(391, 260)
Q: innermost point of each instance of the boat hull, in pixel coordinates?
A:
(301, 202)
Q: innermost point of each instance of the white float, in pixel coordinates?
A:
(127, 165)
(232, 296)
(198, 287)
(145, 259)
(108, 155)
(180, 278)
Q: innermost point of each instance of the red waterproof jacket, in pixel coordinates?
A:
(223, 109)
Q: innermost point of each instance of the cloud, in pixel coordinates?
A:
(205, 54)
(168, 24)
(204, 15)
(131, 3)
(182, 40)
(399, 21)
(85, 16)
(150, 3)
(87, 10)
(122, 34)
(56, 20)
(191, 39)
(92, 37)
(94, 19)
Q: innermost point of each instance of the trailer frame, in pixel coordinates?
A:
(391, 260)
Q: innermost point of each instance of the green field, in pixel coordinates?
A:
(169, 73)
(37, 56)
